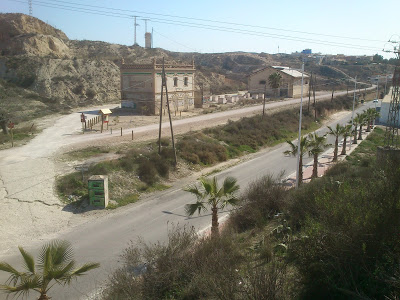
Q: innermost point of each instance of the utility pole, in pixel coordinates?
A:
(386, 84)
(299, 140)
(315, 105)
(377, 88)
(135, 25)
(30, 7)
(354, 101)
(309, 92)
(164, 84)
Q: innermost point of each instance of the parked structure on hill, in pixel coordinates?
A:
(290, 85)
(141, 86)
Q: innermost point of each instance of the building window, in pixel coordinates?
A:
(262, 82)
(175, 81)
(186, 81)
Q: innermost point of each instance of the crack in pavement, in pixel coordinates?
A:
(35, 201)
(7, 196)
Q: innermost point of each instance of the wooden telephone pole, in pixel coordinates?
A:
(164, 84)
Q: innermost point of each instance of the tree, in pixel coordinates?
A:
(55, 264)
(317, 144)
(293, 152)
(274, 81)
(210, 194)
(371, 115)
(336, 132)
(4, 119)
(362, 121)
(346, 133)
(356, 121)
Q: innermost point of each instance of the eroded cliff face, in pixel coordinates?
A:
(25, 35)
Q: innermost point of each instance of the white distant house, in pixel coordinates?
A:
(290, 85)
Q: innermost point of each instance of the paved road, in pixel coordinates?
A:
(103, 239)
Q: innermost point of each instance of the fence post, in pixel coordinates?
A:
(121, 131)
(132, 135)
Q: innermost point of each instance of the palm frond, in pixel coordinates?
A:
(62, 252)
(233, 201)
(79, 272)
(26, 284)
(14, 274)
(60, 273)
(190, 209)
(230, 185)
(29, 261)
(293, 151)
(195, 191)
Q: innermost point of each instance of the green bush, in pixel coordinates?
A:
(263, 199)
(200, 148)
(147, 171)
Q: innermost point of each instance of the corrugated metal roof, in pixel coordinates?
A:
(293, 73)
(105, 111)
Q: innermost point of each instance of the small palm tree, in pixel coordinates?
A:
(362, 121)
(293, 152)
(356, 121)
(336, 132)
(210, 194)
(317, 145)
(54, 265)
(346, 133)
(274, 81)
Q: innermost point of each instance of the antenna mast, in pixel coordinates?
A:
(30, 7)
(135, 25)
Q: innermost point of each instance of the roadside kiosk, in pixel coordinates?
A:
(105, 113)
(98, 190)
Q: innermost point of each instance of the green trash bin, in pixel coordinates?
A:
(98, 190)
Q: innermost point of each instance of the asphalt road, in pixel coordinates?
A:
(104, 239)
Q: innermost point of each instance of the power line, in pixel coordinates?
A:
(220, 22)
(202, 26)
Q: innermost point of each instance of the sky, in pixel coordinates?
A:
(330, 27)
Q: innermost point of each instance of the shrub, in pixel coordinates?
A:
(263, 199)
(147, 171)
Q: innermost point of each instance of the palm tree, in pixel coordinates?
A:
(55, 264)
(362, 122)
(210, 194)
(356, 121)
(293, 152)
(346, 133)
(372, 114)
(274, 81)
(336, 132)
(316, 146)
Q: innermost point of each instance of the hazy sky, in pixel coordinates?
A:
(368, 25)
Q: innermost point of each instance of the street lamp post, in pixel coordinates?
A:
(299, 140)
(354, 101)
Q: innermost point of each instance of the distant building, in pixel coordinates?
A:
(147, 39)
(306, 51)
(141, 86)
(290, 85)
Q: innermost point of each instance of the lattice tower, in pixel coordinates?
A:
(392, 130)
(30, 7)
